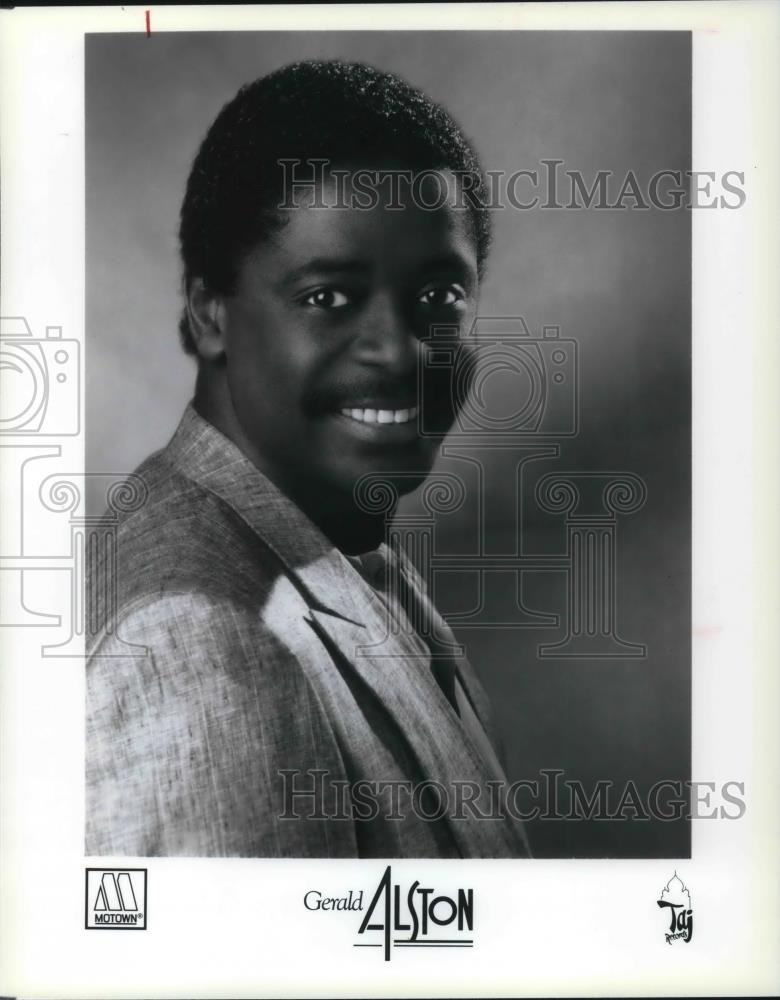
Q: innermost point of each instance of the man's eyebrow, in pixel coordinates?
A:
(445, 262)
(326, 265)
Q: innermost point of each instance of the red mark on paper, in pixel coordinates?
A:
(706, 631)
(148, 24)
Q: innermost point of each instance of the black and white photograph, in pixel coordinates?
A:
(386, 512)
(417, 308)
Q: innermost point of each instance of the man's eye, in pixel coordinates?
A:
(327, 298)
(444, 296)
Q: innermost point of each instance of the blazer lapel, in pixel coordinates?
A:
(469, 681)
(397, 671)
(206, 456)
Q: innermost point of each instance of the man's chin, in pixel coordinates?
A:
(379, 483)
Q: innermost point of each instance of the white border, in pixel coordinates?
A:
(237, 928)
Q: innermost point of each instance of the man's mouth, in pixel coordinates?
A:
(369, 415)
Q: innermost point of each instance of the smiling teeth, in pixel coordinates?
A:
(382, 416)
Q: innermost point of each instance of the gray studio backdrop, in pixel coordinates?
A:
(618, 282)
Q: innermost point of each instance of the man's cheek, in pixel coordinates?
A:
(463, 377)
(445, 389)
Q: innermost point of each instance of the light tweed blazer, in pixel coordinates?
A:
(245, 645)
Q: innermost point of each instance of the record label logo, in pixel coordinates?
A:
(116, 899)
(676, 899)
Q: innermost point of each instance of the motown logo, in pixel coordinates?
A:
(116, 899)
(417, 916)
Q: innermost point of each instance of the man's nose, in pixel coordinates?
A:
(387, 337)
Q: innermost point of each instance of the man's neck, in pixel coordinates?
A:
(335, 513)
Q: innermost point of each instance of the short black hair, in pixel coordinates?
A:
(340, 111)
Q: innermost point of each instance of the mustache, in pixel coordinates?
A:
(393, 392)
(437, 389)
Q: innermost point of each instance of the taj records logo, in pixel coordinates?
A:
(116, 899)
(676, 899)
(416, 917)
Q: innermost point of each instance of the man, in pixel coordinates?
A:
(291, 665)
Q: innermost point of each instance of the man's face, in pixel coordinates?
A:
(324, 338)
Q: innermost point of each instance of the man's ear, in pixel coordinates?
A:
(206, 315)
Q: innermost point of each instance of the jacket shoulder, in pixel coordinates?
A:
(180, 538)
(193, 715)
